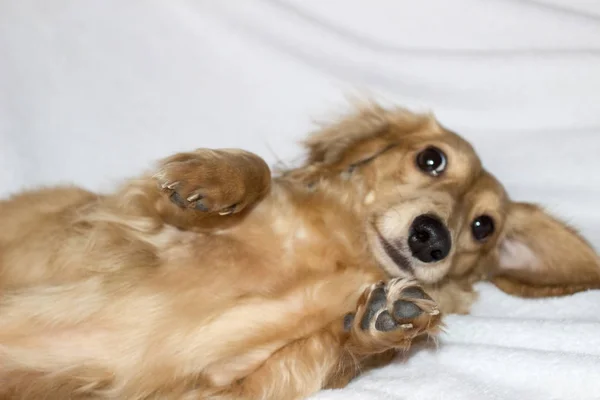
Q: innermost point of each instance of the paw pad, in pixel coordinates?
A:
(399, 305)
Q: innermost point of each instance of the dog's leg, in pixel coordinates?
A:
(284, 347)
(388, 318)
(242, 337)
(179, 341)
(294, 372)
(201, 189)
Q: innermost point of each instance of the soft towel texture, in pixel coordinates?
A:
(92, 91)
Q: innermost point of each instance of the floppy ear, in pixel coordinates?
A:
(541, 256)
(370, 121)
(329, 144)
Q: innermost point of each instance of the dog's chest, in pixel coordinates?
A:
(315, 240)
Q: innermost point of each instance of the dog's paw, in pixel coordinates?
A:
(212, 181)
(391, 315)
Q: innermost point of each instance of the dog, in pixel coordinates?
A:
(209, 277)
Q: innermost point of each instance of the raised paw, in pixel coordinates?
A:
(219, 181)
(391, 315)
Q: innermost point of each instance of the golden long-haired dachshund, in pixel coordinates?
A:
(208, 278)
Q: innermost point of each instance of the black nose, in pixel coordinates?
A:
(428, 239)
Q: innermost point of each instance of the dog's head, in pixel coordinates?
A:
(433, 212)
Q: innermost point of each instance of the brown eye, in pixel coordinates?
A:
(482, 227)
(432, 161)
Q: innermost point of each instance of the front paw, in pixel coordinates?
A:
(391, 315)
(224, 182)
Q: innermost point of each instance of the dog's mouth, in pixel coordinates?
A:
(394, 253)
(418, 251)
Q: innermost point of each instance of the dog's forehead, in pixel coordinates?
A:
(457, 142)
(430, 129)
(486, 193)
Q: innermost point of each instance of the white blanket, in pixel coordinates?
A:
(92, 91)
(506, 349)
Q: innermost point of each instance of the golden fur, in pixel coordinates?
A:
(209, 279)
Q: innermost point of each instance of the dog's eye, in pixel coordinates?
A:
(431, 161)
(482, 227)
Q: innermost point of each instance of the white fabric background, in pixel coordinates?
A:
(92, 91)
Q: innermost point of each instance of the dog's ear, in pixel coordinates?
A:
(368, 123)
(330, 144)
(539, 256)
